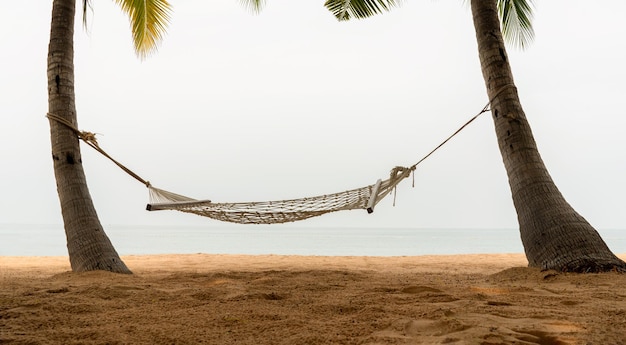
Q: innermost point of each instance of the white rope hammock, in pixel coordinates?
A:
(281, 211)
(271, 212)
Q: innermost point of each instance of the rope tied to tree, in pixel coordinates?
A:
(90, 139)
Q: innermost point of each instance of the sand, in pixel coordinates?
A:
(272, 299)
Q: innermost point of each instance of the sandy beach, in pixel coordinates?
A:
(273, 299)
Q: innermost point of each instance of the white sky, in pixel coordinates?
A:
(291, 103)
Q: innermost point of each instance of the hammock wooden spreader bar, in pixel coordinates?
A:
(281, 211)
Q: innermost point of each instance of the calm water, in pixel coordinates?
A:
(50, 240)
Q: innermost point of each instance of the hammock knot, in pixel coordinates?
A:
(88, 137)
(399, 172)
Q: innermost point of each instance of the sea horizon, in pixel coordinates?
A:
(285, 239)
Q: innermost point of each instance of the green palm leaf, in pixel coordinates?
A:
(515, 15)
(254, 5)
(347, 9)
(516, 18)
(86, 5)
(148, 21)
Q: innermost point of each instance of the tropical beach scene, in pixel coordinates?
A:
(342, 172)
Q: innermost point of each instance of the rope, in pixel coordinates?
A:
(484, 110)
(90, 139)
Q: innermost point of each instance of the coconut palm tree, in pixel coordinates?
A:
(88, 246)
(554, 235)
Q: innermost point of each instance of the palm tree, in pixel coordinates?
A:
(554, 235)
(88, 245)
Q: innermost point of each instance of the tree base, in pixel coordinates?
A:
(592, 266)
(113, 265)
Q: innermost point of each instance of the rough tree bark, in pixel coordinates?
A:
(554, 235)
(88, 246)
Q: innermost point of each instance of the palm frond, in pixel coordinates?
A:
(253, 5)
(516, 18)
(348, 9)
(86, 5)
(148, 21)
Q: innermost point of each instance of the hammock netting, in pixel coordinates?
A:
(280, 211)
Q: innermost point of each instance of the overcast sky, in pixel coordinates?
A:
(291, 103)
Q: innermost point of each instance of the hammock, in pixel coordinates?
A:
(282, 211)
(271, 212)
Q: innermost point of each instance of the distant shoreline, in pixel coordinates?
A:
(30, 240)
(216, 262)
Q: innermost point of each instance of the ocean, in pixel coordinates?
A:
(49, 240)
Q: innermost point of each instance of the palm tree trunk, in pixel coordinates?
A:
(554, 235)
(88, 246)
